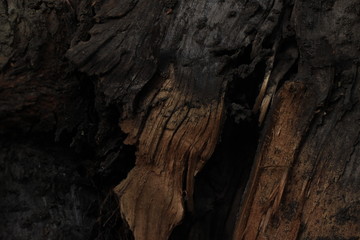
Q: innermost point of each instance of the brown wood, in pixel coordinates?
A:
(304, 168)
(174, 143)
(156, 102)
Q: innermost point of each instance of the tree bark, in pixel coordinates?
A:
(180, 120)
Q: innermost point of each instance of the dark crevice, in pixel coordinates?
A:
(216, 186)
(245, 89)
(289, 76)
(225, 175)
(270, 39)
(222, 52)
(235, 60)
(286, 51)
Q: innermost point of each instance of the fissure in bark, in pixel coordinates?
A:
(150, 115)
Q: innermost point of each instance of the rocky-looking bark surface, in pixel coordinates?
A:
(174, 119)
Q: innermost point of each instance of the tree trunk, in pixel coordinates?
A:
(180, 120)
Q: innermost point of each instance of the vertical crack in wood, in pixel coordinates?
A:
(274, 161)
(295, 187)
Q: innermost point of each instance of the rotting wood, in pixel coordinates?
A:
(298, 189)
(165, 75)
(159, 70)
(174, 144)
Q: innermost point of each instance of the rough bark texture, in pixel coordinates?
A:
(149, 110)
(305, 181)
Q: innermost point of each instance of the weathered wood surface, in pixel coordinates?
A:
(305, 182)
(91, 78)
(170, 75)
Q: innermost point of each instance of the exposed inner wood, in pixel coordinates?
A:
(174, 143)
(164, 73)
(299, 188)
(140, 94)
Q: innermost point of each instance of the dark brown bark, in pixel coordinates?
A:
(148, 110)
(305, 184)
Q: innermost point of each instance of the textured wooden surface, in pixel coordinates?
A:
(305, 183)
(169, 76)
(174, 87)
